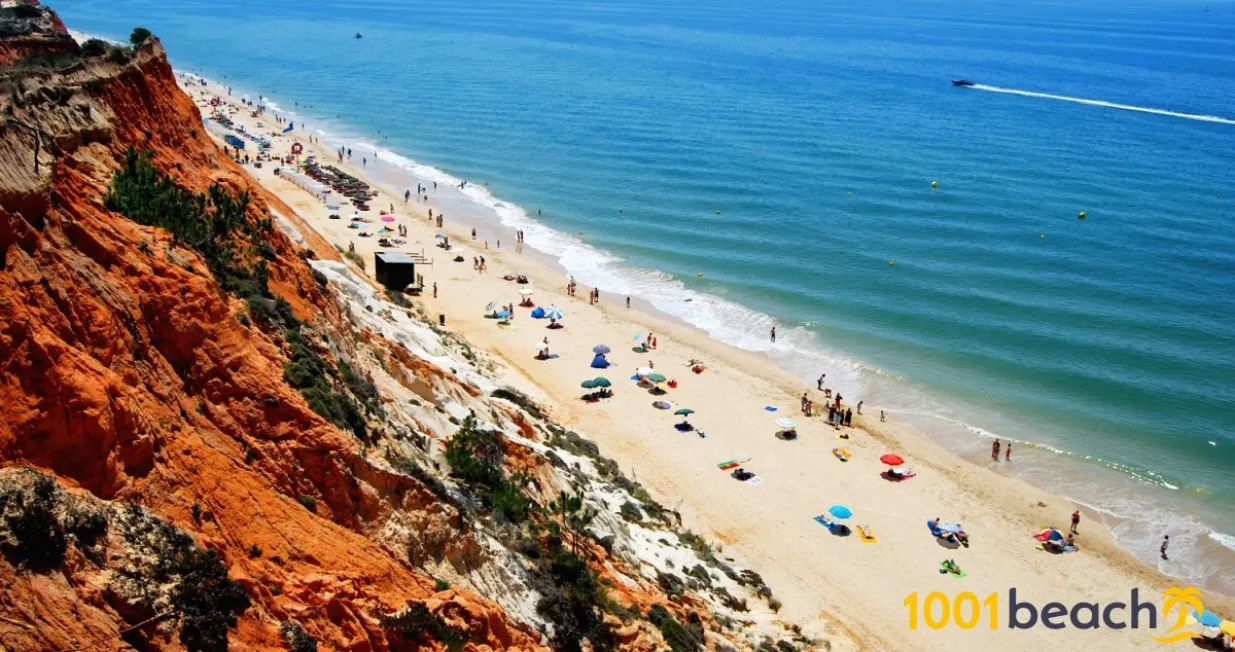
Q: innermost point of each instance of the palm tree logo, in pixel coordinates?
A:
(1180, 601)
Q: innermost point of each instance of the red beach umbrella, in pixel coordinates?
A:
(892, 460)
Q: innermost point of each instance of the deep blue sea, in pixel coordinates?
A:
(770, 160)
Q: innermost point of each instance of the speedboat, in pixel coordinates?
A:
(961, 82)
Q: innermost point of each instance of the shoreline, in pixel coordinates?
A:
(1001, 500)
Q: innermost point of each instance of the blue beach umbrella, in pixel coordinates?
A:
(553, 313)
(600, 349)
(1209, 619)
(440, 236)
(840, 511)
(504, 314)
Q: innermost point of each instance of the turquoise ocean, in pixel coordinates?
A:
(739, 164)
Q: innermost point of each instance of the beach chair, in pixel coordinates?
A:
(865, 534)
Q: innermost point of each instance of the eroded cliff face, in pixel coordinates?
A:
(150, 416)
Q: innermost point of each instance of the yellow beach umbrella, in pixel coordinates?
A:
(1227, 627)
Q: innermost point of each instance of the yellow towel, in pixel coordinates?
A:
(864, 533)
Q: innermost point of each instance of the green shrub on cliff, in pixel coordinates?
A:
(94, 48)
(417, 625)
(139, 36)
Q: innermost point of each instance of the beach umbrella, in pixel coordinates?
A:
(639, 337)
(1209, 619)
(1227, 627)
(662, 405)
(892, 460)
(601, 381)
(543, 346)
(656, 378)
(388, 218)
(685, 412)
(600, 349)
(490, 306)
(554, 313)
(840, 511)
(1049, 534)
(589, 384)
(787, 424)
(644, 371)
(440, 236)
(949, 526)
(525, 291)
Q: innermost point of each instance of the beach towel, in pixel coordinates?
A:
(755, 481)
(728, 466)
(959, 571)
(841, 454)
(864, 533)
(823, 520)
(769, 408)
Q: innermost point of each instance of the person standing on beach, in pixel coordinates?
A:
(1076, 521)
(1166, 541)
(1007, 453)
(435, 290)
(628, 302)
(774, 335)
(859, 407)
(882, 417)
(848, 418)
(995, 451)
(819, 383)
(473, 233)
(407, 194)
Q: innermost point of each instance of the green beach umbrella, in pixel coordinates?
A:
(589, 384)
(685, 412)
(601, 381)
(656, 378)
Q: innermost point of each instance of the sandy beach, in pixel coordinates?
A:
(826, 583)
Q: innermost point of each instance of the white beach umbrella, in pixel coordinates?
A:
(644, 371)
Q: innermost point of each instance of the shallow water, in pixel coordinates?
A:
(768, 162)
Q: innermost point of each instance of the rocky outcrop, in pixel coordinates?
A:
(150, 396)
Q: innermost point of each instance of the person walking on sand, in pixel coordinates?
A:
(1166, 541)
(774, 335)
(1076, 521)
(819, 383)
(995, 451)
(628, 302)
(473, 233)
(882, 417)
(848, 418)
(859, 407)
(1007, 452)
(434, 290)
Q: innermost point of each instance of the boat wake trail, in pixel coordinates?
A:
(1109, 105)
